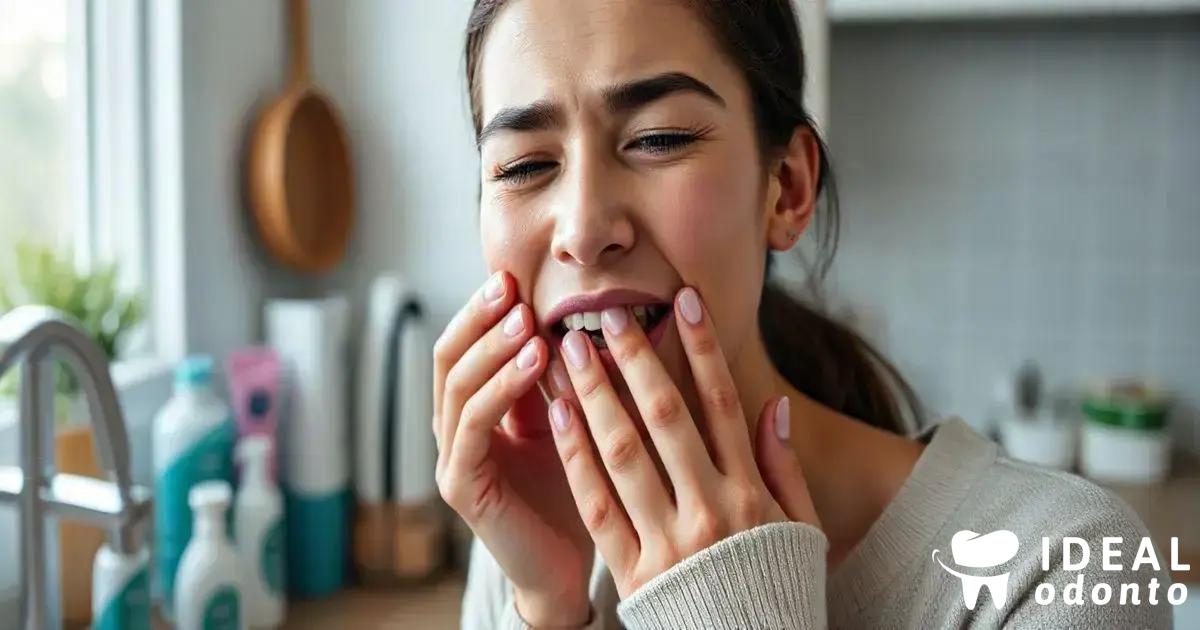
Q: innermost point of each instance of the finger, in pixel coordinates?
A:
(557, 381)
(661, 406)
(601, 513)
(778, 465)
(480, 362)
(480, 313)
(483, 411)
(723, 415)
(629, 465)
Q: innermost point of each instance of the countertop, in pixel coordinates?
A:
(1169, 510)
(431, 606)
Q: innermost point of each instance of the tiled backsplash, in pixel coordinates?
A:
(1016, 190)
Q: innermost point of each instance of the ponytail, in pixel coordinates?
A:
(833, 365)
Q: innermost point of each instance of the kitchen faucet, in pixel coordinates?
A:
(32, 337)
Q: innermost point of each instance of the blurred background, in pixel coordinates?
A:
(1021, 235)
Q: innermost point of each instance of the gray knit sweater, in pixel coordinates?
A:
(775, 576)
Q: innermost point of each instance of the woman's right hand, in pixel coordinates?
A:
(497, 462)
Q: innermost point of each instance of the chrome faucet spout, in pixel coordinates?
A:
(31, 337)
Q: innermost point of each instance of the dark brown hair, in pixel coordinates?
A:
(824, 359)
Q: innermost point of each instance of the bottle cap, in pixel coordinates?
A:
(252, 449)
(194, 370)
(209, 494)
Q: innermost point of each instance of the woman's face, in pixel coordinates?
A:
(619, 163)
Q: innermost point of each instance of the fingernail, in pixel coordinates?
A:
(558, 374)
(495, 287)
(575, 347)
(515, 322)
(689, 305)
(783, 419)
(559, 415)
(615, 319)
(528, 355)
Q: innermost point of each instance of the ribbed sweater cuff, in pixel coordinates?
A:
(772, 576)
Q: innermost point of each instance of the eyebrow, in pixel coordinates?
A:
(619, 98)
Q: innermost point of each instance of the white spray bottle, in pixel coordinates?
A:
(208, 589)
(258, 527)
(120, 590)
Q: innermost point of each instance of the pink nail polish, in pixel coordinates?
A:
(514, 324)
(528, 355)
(575, 347)
(558, 374)
(559, 415)
(495, 287)
(783, 419)
(689, 306)
(615, 319)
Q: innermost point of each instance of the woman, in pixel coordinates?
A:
(704, 451)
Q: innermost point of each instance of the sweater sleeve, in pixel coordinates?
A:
(488, 602)
(771, 576)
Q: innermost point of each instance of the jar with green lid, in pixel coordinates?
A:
(1124, 438)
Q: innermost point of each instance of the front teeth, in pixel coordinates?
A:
(582, 321)
(590, 320)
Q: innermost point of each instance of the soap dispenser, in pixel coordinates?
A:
(258, 529)
(208, 593)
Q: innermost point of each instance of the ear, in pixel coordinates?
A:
(792, 189)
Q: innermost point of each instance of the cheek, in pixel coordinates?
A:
(709, 231)
(508, 242)
(707, 214)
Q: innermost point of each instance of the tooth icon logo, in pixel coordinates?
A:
(981, 551)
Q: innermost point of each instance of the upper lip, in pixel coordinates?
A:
(598, 302)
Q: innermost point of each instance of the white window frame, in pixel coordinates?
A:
(131, 57)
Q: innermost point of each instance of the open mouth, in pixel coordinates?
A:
(648, 316)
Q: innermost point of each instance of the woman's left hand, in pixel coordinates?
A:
(644, 529)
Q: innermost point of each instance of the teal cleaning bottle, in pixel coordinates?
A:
(193, 442)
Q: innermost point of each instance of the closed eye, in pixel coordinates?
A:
(521, 172)
(662, 143)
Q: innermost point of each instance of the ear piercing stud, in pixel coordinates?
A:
(791, 234)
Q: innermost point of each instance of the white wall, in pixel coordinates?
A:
(232, 65)
(395, 69)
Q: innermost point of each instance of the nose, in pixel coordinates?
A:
(592, 216)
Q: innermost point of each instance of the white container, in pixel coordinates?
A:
(120, 590)
(208, 593)
(1043, 441)
(192, 442)
(1123, 455)
(386, 298)
(258, 527)
(314, 447)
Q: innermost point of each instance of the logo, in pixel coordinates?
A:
(973, 553)
(981, 551)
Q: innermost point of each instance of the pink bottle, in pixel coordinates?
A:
(254, 394)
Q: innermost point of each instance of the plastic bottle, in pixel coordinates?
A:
(258, 525)
(208, 588)
(120, 590)
(192, 442)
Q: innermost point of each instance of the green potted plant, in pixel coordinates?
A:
(42, 275)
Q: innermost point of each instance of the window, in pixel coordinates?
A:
(72, 126)
(42, 102)
(73, 140)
